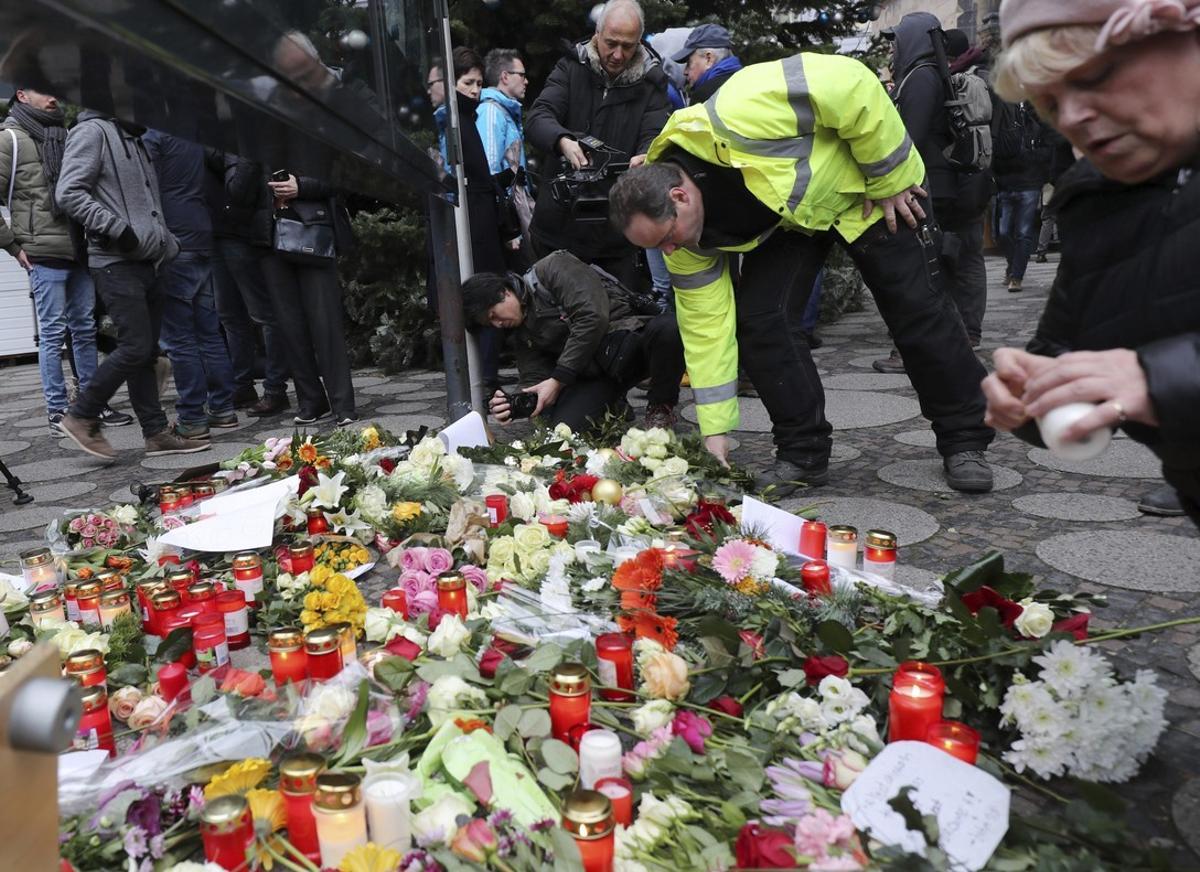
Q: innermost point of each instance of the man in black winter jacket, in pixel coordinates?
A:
(611, 87)
(1022, 167)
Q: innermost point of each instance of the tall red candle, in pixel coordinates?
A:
(497, 508)
(915, 703)
(814, 575)
(324, 649)
(620, 793)
(452, 593)
(812, 539)
(556, 525)
(396, 600)
(172, 681)
(588, 817)
(298, 784)
(570, 699)
(614, 662)
(289, 661)
(956, 739)
(227, 829)
(95, 731)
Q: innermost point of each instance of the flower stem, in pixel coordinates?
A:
(752, 665)
(1027, 781)
(1117, 634)
(744, 697)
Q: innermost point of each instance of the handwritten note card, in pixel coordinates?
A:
(469, 431)
(971, 806)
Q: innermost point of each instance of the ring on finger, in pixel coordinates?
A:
(1120, 410)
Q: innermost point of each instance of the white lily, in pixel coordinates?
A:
(328, 492)
(346, 523)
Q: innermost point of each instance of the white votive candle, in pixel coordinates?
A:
(388, 796)
(842, 547)
(599, 757)
(1053, 423)
(625, 552)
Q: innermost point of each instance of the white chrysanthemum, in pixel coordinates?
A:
(1047, 758)
(522, 506)
(1067, 668)
(764, 563)
(581, 513)
(594, 584)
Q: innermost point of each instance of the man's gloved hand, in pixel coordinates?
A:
(127, 241)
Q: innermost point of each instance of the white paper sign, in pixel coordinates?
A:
(971, 806)
(467, 432)
(782, 528)
(239, 521)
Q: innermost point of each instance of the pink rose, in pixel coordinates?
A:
(421, 603)
(95, 519)
(76, 525)
(438, 560)
(89, 531)
(413, 582)
(87, 543)
(413, 559)
(843, 767)
(476, 576)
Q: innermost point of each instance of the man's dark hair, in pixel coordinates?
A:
(465, 60)
(479, 293)
(644, 190)
(498, 60)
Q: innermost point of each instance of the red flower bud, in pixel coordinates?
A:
(1076, 625)
(728, 705)
(816, 668)
(490, 662)
(760, 848)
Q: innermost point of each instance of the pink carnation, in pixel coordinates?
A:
(438, 560)
(818, 832)
(413, 558)
(476, 576)
(635, 761)
(733, 560)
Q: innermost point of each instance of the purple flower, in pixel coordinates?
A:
(413, 559)
(379, 728)
(195, 801)
(158, 845)
(476, 576)
(136, 844)
(500, 818)
(146, 814)
(416, 700)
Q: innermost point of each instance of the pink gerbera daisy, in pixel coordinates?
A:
(733, 560)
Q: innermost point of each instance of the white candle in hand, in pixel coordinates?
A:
(1056, 421)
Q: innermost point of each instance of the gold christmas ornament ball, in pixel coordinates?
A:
(606, 490)
(608, 454)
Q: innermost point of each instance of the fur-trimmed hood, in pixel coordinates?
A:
(644, 63)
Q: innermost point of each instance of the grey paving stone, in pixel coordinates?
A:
(875, 381)
(12, 446)
(399, 423)
(366, 381)
(914, 577)
(1185, 811)
(844, 328)
(28, 517)
(842, 452)
(846, 410)
(926, 475)
(1122, 459)
(30, 420)
(77, 465)
(867, 360)
(1077, 507)
(66, 490)
(1194, 661)
(20, 404)
(392, 388)
(122, 495)
(1133, 560)
(424, 395)
(400, 409)
(219, 451)
(425, 376)
(10, 551)
(909, 523)
(921, 438)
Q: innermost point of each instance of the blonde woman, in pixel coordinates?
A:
(1121, 80)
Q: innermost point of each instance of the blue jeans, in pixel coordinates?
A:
(812, 311)
(1016, 219)
(65, 300)
(191, 336)
(660, 278)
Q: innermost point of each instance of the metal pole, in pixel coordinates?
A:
(450, 314)
(462, 224)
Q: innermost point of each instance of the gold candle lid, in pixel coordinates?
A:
(45, 599)
(451, 581)
(298, 774)
(94, 697)
(88, 589)
(344, 629)
(843, 533)
(225, 813)
(300, 549)
(285, 639)
(167, 492)
(204, 490)
(247, 560)
(571, 679)
(588, 815)
(36, 556)
(72, 586)
(114, 598)
(201, 590)
(84, 660)
(881, 539)
(337, 791)
(166, 599)
(178, 576)
(322, 641)
(104, 576)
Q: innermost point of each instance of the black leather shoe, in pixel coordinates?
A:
(1163, 502)
(270, 404)
(784, 478)
(969, 472)
(245, 398)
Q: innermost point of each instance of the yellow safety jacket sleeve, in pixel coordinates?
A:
(707, 319)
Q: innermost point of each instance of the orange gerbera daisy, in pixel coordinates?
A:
(637, 600)
(470, 725)
(661, 629)
(284, 462)
(308, 452)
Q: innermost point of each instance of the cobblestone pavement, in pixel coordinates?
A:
(1074, 525)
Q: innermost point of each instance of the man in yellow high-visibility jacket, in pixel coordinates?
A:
(785, 159)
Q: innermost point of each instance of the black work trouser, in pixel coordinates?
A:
(656, 351)
(308, 309)
(962, 259)
(902, 272)
(133, 301)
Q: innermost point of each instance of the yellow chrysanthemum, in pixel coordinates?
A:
(402, 512)
(370, 439)
(267, 808)
(238, 778)
(750, 587)
(370, 858)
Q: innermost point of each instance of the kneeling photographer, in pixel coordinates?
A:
(581, 339)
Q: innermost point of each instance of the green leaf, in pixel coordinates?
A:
(732, 815)
(515, 683)
(744, 769)
(556, 781)
(432, 670)
(126, 674)
(790, 677)
(835, 636)
(544, 658)
(394, 673)
(1101, 798)
(506, 720)
(559, 757)
(707, 687)
(203, 689)
(566, 853)
(534, 723)
(717, 650)
(987, 570)
(354, 736)
(177, 643)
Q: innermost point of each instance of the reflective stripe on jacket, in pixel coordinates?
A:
(813, 136)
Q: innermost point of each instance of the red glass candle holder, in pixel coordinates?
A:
(588, 817)
(915, 703)
(86, 667)
(814, 575)
(324, 649)
(227, 829)
(396, 600)
(452, 593)
(812, 539)
(614, 661)
(300, 557)
(289, 661)
(298, 784)
(620, 793)
(87, 598)
(556, 525)
(209, 642)
(570, 699)
(879, 553)
(232, 606)
(248, 576)
(95, 731)
(497, 508)
(316, 522)
(956, 739)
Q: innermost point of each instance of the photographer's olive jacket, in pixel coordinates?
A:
(33, 228)
(569, 309)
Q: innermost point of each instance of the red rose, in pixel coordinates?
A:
(1076, 625)
(702, 517)
(308, 479)
(816, 668)
(985, 597)
(760, 848)
(753, 641)
(728, 705)
(402, 647)
(490, 662)
(435, 618)
(387, 465)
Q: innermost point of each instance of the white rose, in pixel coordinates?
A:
(381, 625)
(535, 563)
(654, 714)
(427, 452)
(651, 463)
(529, 464)
(438, 824)
(71, 640)
(1036, 619)
(672, 466)
(449, 636)
(329, 702)
(125, 514)
(530, 537)
(450, 693)
(658, 436)
(521, 505)
(562, 431)
(658, 451)
(461, 469)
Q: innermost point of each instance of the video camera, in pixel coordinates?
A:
(585, 191)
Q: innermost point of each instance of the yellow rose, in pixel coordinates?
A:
(402, 512)
(312, 600)
(501, 551)
(320, 574)
(665, 676)
(530, 536)
(309, 618)
(329, 601)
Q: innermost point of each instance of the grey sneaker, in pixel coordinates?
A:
(197, 431)
(969, 472)
(85, 432)
(1162, 501)
(224, 420)
(168, 442)
(55, 418)
(892, 363)
(784, 478)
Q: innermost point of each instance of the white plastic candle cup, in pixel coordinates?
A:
(599, 757)
(1054, 422)
(388, 796)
